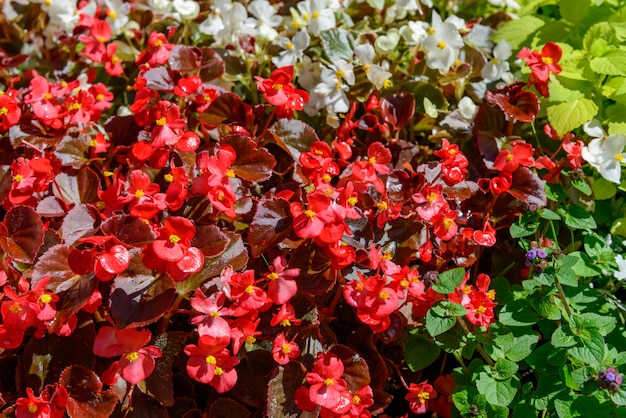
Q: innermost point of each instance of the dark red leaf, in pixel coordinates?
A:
(123, 130)
(129, 230)
(315, 276)
(159, 78)
(294, 136)
(228, 108)
(73, 289)
(253, 373)
(185, 59)
(514, 102)
(81, 221)
(356, 373)
(528, 187)
(145, 407)
(138, 300)
(270, 225)
(44, 360)
(73, 151)
(210, 240)
(213, 65)
(50, 207)
(228, 408)
(281, 389)
(398, 109)
(159, 384)
(81, 187)
(252, 163)
(86, 396)
(21, 233)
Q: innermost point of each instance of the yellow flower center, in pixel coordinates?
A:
(382, 205)
(495, 60)
(101, 39)
(387, 83)
(467, 289)
(100, 97)
(481, 309)
(215, 314)
(327, 177)
(547, 60)
(366, 68)
(352, 201)
(139, 193)
(423, 396)
(74, 106)
(288, 45)
(340, 73)
(132, 356)
(168, 178)
(18, 177)
(404, 283)
(15, 308)
(316, 15)
(356, 399)
(383, 295)
(218, 371)
(250, 339)
(447, 223)
(161, 121)
(210, 360)
(431, 31)
(45, 298)
(509, 157)
(32, 407)
(285, 323)
(272, 276)
(431, 197)
(277, 86)
(441, 45)
(286, 349)
(111, 14)
(47, 96)
(491, 294)
(158, 43)
(230, 173)
(3, 111)
(309, 213)
(174, 239)
(249, 289)
(619, 157)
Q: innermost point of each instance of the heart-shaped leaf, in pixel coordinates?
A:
(210, 240)
(252, 163)
(81, 221)
(270, 225)
(228, 108)
(129, 230)
(78, 188)
(21, 233)
(140, 299)
(86, 397)
(185, 59)
(398, 109)
(528, 187)
(213, 65)
(294, 136)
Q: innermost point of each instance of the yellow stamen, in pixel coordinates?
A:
(356, 399)
(45, 298)
(316, 15)
(132, 356)
(340, 74)
(250, 339)
(161, 121)
(277, 86)
(547, 60)
(285, 323)
(447, 223)
(210, 360)
(168, 178)
(423, 396)
(619, 157)
(309, 213)
(218, 371)
(329, 382)
(139, 193)
(441, 45)
(249, 289)
(289, 45)
(352, 201)
(432, 196)
(272, 276)
(431, 31)
(174, 239)
(230, 173)
(15, 308)
(32, 407)
(383, 295)
(18, 177)
(481, 309)
(286, 349)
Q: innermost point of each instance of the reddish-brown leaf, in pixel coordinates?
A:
(213, 65)
(81, 221)
(210, 240)
(87, 399)
(528, 187)
(294, 136)
(398, 109)
(21, 233)
(252, 163)
(270, 225)
(185, 59)
(315, 276)
(78, 188)
(228, 108)
(128, 229)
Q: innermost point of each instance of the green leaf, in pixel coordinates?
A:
(584, 267)
(517, 314)
(436, 324)
(337, 44)
(567, 116)
(591, 352)
(545, 307)
(504, 369)
(611, 63)
(563, 337)
(619, 227)
(525, 225)
(574, 14)
(519, 32)
(448, 281)
(603, 189)
(550, 215)
(525, 342)
(604, 324)
(582, 185)
(600, 31)
(578, 218)
(420, 352)
(499, 393)
(619, 397)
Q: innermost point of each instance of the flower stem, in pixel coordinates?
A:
(479, 346)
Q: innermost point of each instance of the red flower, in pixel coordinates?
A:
(285, 317)
(284, 350)
(137, 361)
(434, 201)
(32, 406)
(509, 160)
(279, 91)
(158, 52)
(281, 285)
(112, 63)
(10, 112)
(174, 238)
(99, 33)
(325, 380)
(243, 331)
(210, 362)
(311, 222)
(543, 63)
(419, 397)
(169, 125)
(212, 322)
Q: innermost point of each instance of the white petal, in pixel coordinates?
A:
(593, 128)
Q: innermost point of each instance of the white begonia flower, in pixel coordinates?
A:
(293, 49)
(117, 14)
(621, 265)
(62, 15)
(374, 72)
(232, 20)
(187, 9)
(467, 108)
(605, 153)
(593, 128)
(498, 65)
(505, 3)
(414, 32)
(333, 90)
(343, 70)
(442, 44)
(264, 20)
(317, 14)
(160, 7)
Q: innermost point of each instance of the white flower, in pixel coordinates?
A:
(606, 155)
(414, 32)
(374, 72)
(317, 15)
(508, 3)
(232, 20)
(333, 91)
(621, 264)
(293, 49)
(186, 9)
(442, 44)
(498, 65)
(264, 21)
(117, 14)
